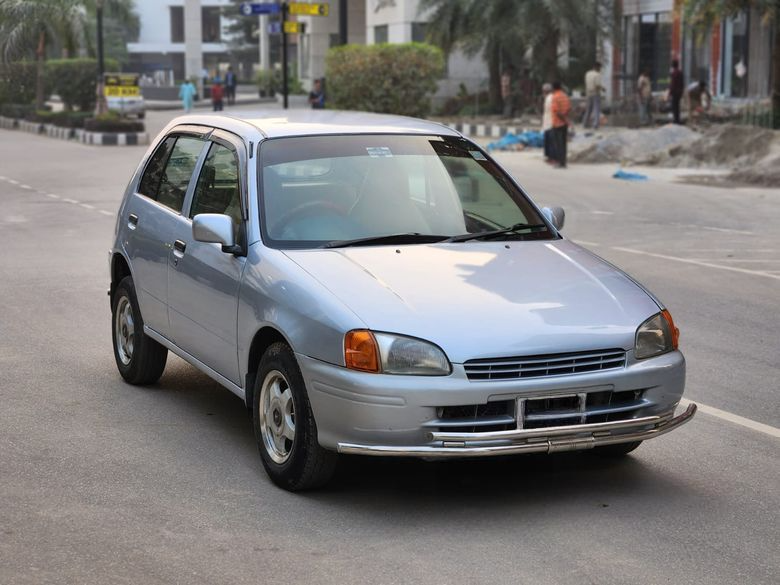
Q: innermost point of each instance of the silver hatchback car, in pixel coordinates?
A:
(379, 285)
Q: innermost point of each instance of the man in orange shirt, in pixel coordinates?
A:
(561, 106)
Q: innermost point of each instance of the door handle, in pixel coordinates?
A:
(178, 248)
(132, 221)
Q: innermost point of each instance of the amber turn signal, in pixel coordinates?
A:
(675, 332)
(361, 351)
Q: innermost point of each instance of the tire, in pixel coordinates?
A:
(617, 450)
(139, 358)
(285, 430)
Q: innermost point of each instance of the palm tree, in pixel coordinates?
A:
(504, 31)
(30, 26)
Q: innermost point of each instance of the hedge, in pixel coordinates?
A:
(75, 81)
(387, 78)
(17, 83)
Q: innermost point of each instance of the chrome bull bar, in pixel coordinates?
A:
(544, 440)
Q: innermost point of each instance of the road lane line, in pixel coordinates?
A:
(52, 195)
(586, 243)
(66, 200)
(13, 182)
(87, 206)
(736, 419)
(23, 186)
(596, 212)
(104, 212)
(697, 262)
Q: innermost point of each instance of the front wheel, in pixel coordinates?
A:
(285, 430)
(139, 358)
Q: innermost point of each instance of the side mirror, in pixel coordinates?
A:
(555, 215)
(214, 228)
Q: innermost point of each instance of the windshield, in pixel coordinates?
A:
(319, 190)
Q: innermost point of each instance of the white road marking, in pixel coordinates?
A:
(736, 419)
(13, 182)
(586, 243)
(2, 178)
(697, 262)
(595, 212)
(66, 200)
(87, 206)
(23, 186)
(713, 228)
(104, 212)
(52, 195)
(761, 260)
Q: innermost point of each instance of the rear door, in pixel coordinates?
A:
(151, 216)
(203, 280)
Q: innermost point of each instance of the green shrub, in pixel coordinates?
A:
(17, 83)
(388, 78)
(75, 81)
(64, 119)
(112, 122)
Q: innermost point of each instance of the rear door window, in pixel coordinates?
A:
(170, 169)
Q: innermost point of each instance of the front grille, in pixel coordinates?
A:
(538, 366)
(475, 418)
(574, 409)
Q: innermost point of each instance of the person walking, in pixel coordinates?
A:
(561, 107)
(187, 93)
(230, 86)
(317, 96)
(217, 94)
(547, 125)
(676, 90)
(644, 93)
(593, 89)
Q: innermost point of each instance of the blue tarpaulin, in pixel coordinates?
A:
(527, 138)
(627, 176)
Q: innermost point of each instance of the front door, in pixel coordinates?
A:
(203, 280)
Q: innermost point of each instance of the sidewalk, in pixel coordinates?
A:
(241, 100)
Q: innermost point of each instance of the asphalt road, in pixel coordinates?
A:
(101, 482)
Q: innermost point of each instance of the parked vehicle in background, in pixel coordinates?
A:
(379, 285)
(123, 94)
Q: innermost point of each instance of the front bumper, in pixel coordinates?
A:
(546, 440)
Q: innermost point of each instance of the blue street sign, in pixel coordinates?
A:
(274, 28)
(250, 8)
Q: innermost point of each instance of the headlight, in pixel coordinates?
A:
(655, 336)
(393, 354)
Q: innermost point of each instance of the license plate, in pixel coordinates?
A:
(119, 91)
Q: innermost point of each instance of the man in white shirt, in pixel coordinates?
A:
(593, 89)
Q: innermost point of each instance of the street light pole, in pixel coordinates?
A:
(285, 81)
(342, 22)
(100, 102)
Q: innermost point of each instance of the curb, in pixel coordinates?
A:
(484, 130)
(78, 134)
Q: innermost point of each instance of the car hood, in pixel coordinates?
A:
(486, 299)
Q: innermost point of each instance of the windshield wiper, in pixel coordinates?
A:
(409, 238)
(489, 234)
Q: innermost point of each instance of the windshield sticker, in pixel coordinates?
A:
(378, 151)
(477, 155)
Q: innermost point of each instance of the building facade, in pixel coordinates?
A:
(733, 57)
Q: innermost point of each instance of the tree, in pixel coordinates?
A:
(703, 14)
(504, 31)
(33, 27)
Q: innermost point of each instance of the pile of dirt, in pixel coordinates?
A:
(753, 154)
(638, 147)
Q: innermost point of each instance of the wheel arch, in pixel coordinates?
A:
(262, 340)
(120, 268)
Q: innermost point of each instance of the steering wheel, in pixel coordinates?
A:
(307, 209)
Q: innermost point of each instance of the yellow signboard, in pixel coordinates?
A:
(306, 9)
(121, 85)
(291, 27)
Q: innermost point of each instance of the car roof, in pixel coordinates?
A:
(306, 122)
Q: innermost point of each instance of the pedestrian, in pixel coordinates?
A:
(317, 96)
(547, 125)
(187, 93)
(593, 89)
(560, 108)
(644, 93)
(676, 90)
(698, 99)
(217, 94)
(506, 91)
(230, 86)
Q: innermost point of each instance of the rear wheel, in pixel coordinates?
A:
(618, 449)
(285, 430)
(139, 358)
